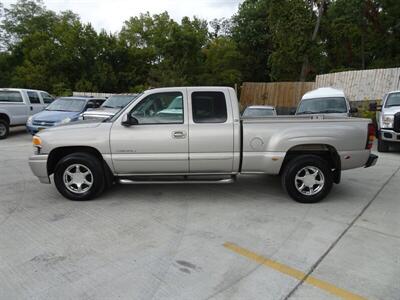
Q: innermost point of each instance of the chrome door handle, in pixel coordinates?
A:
(179, 134)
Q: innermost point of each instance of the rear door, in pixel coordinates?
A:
(36, 104)
(12, 102)
(211, 131)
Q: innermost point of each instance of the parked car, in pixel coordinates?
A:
(16, 105)
(109, 108)
(388, 120)
(61, 111)
(325, 101)
(259, 111)
(206, 143)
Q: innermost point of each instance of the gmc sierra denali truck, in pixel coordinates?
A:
(195, 135)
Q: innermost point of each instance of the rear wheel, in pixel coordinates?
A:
(383, 146)
(4, 129)
(79, 176)
(307, 178)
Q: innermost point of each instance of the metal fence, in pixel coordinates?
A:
(365, 85)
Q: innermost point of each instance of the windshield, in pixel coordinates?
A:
(258, 112)
(322, 105)
(65, 104)
(118, 101)
(393, 100)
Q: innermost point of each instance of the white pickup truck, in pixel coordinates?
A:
(17, 105)
(202, 141)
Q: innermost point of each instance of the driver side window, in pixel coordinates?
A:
(160, 108)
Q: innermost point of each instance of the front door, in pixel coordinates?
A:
(159, 143)
(35, 104)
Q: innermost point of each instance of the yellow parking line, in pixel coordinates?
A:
(330, 288)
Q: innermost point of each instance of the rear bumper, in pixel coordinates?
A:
(372, 159)
(38, 165)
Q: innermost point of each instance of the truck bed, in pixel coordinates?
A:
(266, 140)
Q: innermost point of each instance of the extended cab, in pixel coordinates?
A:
(17, 105)
(203, 140)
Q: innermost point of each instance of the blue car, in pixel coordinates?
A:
(61, 111)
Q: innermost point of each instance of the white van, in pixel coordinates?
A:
(325, 100)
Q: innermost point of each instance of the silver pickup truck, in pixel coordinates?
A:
(17, 105)
(195, 135)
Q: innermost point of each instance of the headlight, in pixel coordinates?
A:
(387, 121)
(66, 120)
(29, 120)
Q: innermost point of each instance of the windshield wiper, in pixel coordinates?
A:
(306, 112)
(332, 111)
(107, 106)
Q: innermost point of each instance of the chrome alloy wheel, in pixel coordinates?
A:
(78, 178)
(309, 181)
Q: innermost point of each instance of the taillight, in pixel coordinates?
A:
(371, 136)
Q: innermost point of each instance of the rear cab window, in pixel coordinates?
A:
(209, 107)
(11, 96)
(33, 97)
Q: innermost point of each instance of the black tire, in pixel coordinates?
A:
(383, 146)
(4, 129)
(88, 161)
(298, 164)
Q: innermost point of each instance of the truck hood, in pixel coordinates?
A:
(75, 125)
(107, 111)
(55, 116)
(390, 110)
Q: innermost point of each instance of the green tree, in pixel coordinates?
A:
(251, 33)
(223, 62)
(292, 23)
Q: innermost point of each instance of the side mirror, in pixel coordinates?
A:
(375, 107)
(353, 110)
(128, 120)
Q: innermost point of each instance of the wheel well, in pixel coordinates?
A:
(326, 152)
(58, 153)
(4, 117)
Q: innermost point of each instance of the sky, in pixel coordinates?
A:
(110, 14)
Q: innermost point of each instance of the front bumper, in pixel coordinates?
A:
(38, 164)
(33, 129)
(372, 159)
(389, 135)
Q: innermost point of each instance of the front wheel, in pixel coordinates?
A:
(4, 129)
(307, 178)
(383, 146)
(79, 176)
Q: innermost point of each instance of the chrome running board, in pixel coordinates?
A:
(185, 181)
